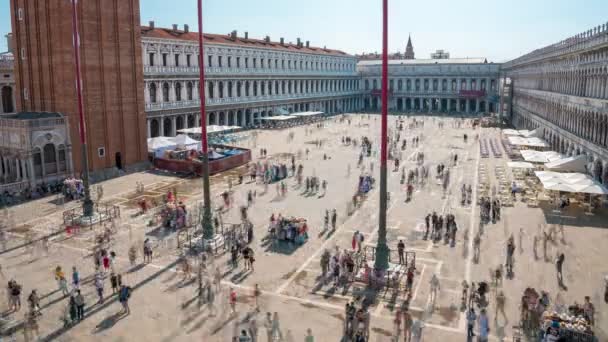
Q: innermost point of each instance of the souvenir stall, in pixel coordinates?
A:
(173, 213)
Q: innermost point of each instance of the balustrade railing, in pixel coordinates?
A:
(211, 71)
(246, 99)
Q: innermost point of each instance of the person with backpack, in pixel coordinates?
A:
(123, 297)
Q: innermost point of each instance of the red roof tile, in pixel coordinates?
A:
(166, 33)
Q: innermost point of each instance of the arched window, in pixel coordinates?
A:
(50, 159)
(7, 100)
(255, 88)
(61, 158)
(165, 92)
(270, 84)
(399, 85)
(375, 83)
(152, 92)
(37, 162)
(262, 86)
(189, 91)
(229, 88)
(178, 91)
(238, 89)
(210, 89)
(282, 87)
(220, 89)
(247, 88)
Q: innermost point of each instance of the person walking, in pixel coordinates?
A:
(253, 329)
(435, 286)
(256, 295)
(276, 327)
(114, 282)
(484, 326)
(334, 218)
(75, 278)
(400, 251)
(559, 262)
(73, 309)
(232, 300)
(471, 318)
(99, 288)
(79, 301)
(268, 326)
(123, 297)
(34, 302)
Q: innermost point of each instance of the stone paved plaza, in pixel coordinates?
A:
(164, 306)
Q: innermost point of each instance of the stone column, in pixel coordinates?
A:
(173, 119)
(477, 106)
(18, 169)
(161, 127)
(149, 129)
(467, 104)
(32, 172)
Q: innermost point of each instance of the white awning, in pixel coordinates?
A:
(509, 131)
(570, 164)
(532, 141)
(306, 114)
(520, 165)
(541, 156)
(279, 118)
(570, 182)
(210, 129)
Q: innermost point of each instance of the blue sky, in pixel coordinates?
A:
(499, 30)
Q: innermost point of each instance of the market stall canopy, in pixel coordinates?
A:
(570, 182)
(541, 156)
(520, 165)
(301, 114)
(279, 118)
(523, 133)
(185, 140)
(509, 131)
(532, 141)
(210, 129)
(570, 164)
(160, 142)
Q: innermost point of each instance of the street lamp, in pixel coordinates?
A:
(382, 251)
(206, 218)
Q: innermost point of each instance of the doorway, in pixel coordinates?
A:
(118, 160)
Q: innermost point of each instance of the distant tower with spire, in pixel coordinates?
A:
(409, 49)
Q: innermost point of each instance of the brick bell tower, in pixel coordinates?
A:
(112, 75)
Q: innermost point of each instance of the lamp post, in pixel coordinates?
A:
(206, 223)
(87, 204)
(382, 251)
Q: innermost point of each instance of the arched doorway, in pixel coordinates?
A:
(239, 118)
(7, 100)
(49, 159)
(231, 118)
(118, 159)
(154, 128)
(222, 118)
(211, 119)
(167, 127)
(190, 121)
(399, 104)
(179, 123)
(598, 171)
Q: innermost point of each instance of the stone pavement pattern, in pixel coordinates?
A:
(164, 306)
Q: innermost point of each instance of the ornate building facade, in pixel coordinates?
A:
(7, 83)
(563, 90)
(453, 85)
(246, 79)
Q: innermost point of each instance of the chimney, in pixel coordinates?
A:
(233, 35)
(151, 24)
(9, 42)
(307, 44)
(246, 35)
(186, 28)
(174, 27)
(299, 42)
(282, 41)
(267, 39)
